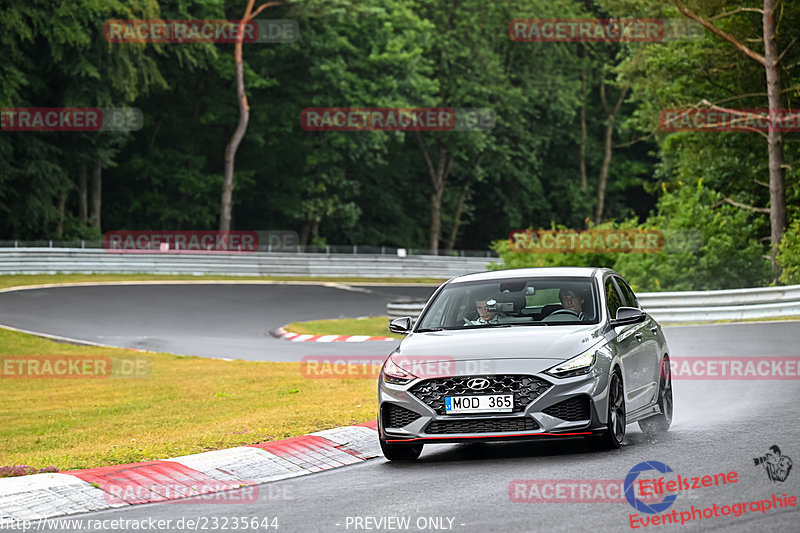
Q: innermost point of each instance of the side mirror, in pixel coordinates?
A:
(401, 325)
(627, 316)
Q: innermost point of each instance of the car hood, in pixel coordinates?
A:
(515, 342)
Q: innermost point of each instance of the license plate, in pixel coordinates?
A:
(495, 403)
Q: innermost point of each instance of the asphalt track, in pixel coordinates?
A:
(211, 320)
(719, 426)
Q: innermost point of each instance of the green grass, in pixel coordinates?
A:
(185, 405)
(376, 326)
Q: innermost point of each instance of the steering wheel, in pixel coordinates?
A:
(563, 312)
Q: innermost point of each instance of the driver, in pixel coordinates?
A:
(482, 299)
(572, 299)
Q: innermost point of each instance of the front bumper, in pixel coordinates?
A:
(558, 407)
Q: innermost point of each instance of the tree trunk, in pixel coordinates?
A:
(777, 184)
(226, 201)
(436, 220)
(462, 198)
(603, 182)
(611, 113)
(97, 194)
(83, 212)
(582, 154)
(305, 232)
(62, 204)
(451, 241)
(438, 175)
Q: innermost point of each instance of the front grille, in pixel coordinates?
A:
(524, 388)
(485, 425)
(576, 408)
(395, 416)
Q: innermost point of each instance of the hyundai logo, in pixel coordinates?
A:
(478, 383)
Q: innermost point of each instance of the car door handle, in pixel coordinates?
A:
(639, 336)
(654, 329)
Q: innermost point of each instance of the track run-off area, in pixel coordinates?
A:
(719, 426)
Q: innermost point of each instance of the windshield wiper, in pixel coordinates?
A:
(426, 330)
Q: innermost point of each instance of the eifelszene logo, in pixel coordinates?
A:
(638, 504)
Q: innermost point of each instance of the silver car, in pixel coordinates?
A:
(525, 354)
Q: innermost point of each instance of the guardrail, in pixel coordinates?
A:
(690, 306)
(92, 261)
(263, 246)
(734, 304)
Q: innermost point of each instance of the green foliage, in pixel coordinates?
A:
(709, 245)
(789, 255)
(374, 188)
(514, 259)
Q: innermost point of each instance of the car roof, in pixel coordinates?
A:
(542, 272)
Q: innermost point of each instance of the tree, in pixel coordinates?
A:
(478, 66)
(770, 60)
(63, 61)
(709, 245)
(226, 201)
(611, 112)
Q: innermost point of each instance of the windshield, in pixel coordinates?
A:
(512, 302)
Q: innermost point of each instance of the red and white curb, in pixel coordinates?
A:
(80, 491)
(297, 337)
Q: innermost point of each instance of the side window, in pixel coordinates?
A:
(613, 299)
(630, 298)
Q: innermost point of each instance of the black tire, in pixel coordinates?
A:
(659, 424)
(401, 451)
(612, 437)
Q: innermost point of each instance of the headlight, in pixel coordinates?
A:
(392, 373)
(580, 364)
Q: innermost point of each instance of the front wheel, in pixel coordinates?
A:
(401, 451)
(659, 424)
(612, 437)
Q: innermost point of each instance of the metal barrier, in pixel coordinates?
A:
(91, 261)
(734, 304)
(263, 246)
(690, 306)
